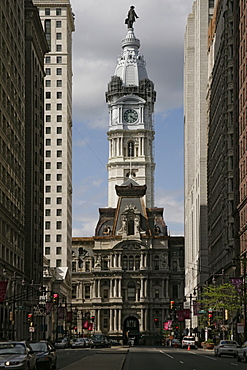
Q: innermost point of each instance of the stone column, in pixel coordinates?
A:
(142, 320)
(110, 319)
(120, 320)
(142, 287)
(142, 260)
(99, 295)
(111, 288)
(115, 320)
(120, 288)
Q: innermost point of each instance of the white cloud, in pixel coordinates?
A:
(173, 204)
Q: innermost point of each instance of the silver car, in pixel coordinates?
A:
(242, 353)
(226, 347)
(17, 355)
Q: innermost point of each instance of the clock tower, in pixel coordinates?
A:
(130, 99)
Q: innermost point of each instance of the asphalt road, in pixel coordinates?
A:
(144, 358)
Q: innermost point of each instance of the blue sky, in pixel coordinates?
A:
(96, 46)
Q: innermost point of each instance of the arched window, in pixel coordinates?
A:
(131, 291)
(137, 262)
(125, 262)
(131, 148)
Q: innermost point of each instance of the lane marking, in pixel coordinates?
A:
(166, 354)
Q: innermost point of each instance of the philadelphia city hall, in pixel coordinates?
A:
(125, 277)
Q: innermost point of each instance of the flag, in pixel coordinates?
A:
(3, 288)
(85, 324)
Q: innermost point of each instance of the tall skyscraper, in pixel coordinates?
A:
(58, 23)
(195, 145)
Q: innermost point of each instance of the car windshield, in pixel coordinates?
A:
(231, 342)
(38, 347)
(17, 348)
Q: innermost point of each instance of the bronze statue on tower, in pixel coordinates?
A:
(131, 17)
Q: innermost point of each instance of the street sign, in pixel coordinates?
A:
(224, 327)
(31, 329)
(240, 327)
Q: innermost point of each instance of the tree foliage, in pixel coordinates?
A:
(221, 297)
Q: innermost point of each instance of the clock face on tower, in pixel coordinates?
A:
(130, 115)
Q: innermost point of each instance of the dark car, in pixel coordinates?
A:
(242, 353)
(17, 355)
(46, 357)
(99, 340)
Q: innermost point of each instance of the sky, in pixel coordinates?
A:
(99, 30)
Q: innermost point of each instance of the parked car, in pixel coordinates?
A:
(99, 340)
(62, 343)
(46, 357)
(188, 342)
(176, 343)
(78, 343)
(226, 347)
(17, 355)
(242, 353)
(87, 342)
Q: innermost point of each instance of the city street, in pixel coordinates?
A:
(145, 358)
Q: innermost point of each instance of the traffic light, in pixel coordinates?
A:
(156, 322)
(55, 298)
(29, 317)
(93, 317)
(11, 316)
(172, 304)
(210, 315)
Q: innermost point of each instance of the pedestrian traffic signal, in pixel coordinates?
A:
(30, 317)
(172, 304)
(93, 317)
(55, 298)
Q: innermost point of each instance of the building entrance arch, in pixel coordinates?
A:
(131, 329)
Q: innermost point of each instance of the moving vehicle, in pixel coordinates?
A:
(17, 355)
(226, 347)
(46, 357)
(242, 353)
(99, 340)
(62, 343)
(188, 342)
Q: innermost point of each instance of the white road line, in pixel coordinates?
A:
(166, 354)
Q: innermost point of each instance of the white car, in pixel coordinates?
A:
(226, 347)
(78, 343)
(242, 353)
(188, 342)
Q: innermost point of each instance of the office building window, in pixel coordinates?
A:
(59, 142)
(58, 263)
(48, 178)
(48, 95)
(48, 118)
(59, 153)
(58, 11)
(59, 83)
(58, 24)
(59, 36)
(58, 250)
(59, 189)
(59, 130)
(48, 106)
(48, 165)
(59, 118)
(47, 11)
(59, 106)
(59, 71)
(58, 238)
(48, 83)
(48, 130)
(59, 59)
(59, 165)
(47, 225)
(48, 189)
(47, 26)
(47, 60)
(59, 212)
(48, 142)
(59, 200)
(59, 225)
(87, 291)
(59, 177)
(59, 95)
(47, 250)
(58, 47)
(47, 200)
(48, 71)
(48, 153)
(47, 239)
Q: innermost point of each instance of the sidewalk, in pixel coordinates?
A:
(107, 360)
